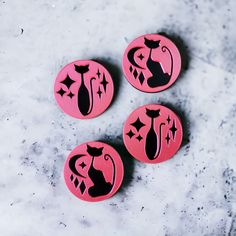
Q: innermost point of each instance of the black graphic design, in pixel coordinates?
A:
(85, 104)
(130, 68)
(72, 177)
(167, 138)
(131, 59)
(67, 81)
(76, 182)
(173, 129)
(99, 92)
(82, 165)
(139, 137)
(61, 92)
(72, 166)
(138, 124)
(98, 74)
(71, 95)
(159, 77)
(141, 78)
(100, 186)
(135, 73)
(130, 134)
(140, 56)
(168, 119)
(104, 83)
(82, 187)
(153, 145)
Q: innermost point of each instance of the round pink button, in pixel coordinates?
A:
(152, 133)
(84, 89)
(93, 171)
(151, 63)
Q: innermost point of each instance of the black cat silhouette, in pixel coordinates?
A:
(159, 77)
(153, 145)
(85, 104)
(100, 187)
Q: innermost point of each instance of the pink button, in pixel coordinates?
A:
(93, 171)
(83, 89)
(151, 63)
(152, 133)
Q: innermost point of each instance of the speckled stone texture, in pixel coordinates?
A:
(194, 193)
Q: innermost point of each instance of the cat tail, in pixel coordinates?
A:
(106, 157)
(91, 92)
(164, 48)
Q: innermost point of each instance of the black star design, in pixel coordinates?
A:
(104, 83)
(98, 73)
(71, 95)
(168, 119)
(141, 56)
(173, 129)
(130, 134)
(99, 92)
(167, 138)
(82, 165)
(139, 137)
(61, 92)
(67, 81)
(138, 124)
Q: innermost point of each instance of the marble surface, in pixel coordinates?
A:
(192, 194)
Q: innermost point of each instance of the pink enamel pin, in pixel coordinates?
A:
(152, 133)
(151, 63)
(93, 171)
(83, 89)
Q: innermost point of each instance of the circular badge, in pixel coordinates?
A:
(84, 89)
(151, 63)
(152, 133)
(93, 171)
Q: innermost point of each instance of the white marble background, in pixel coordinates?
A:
(192, 194)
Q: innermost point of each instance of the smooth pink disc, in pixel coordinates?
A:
(151, 63)
(152, 133)
(83, 89)
(93, 171)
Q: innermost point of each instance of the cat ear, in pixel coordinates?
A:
(88, 147)
(101, 148)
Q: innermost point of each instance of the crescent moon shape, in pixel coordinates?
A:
(72, 164)
(130, 56)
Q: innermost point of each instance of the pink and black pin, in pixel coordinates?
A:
(84, 89)
(93, 171)
(151, 63)
(152, 133)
